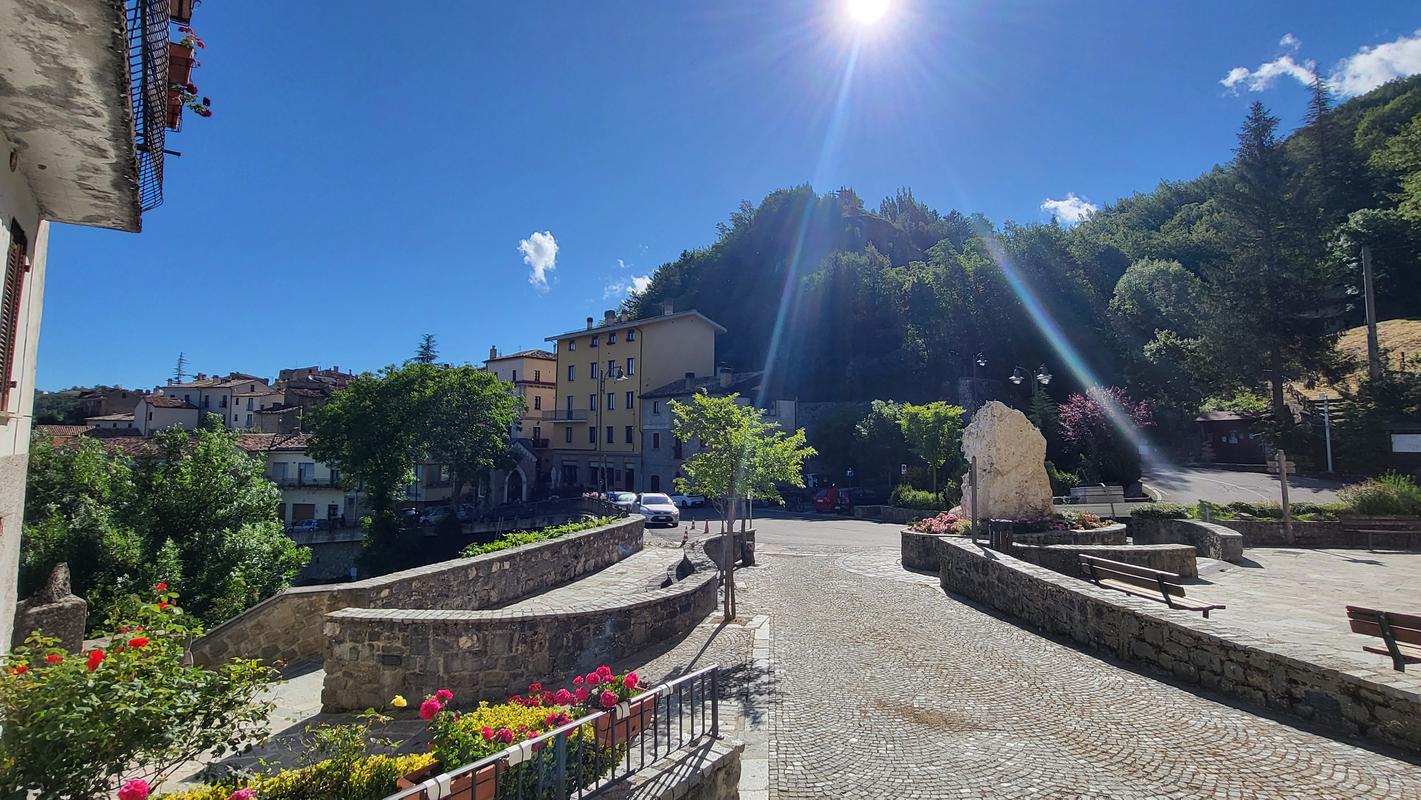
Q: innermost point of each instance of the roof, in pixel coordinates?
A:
(638, 323)
(269, 391)
(284, 409)
(229, 382)
(1225, 416)
(111, 418)
(740, 383)
(167, 401)
(124, 440)
(267, 442)
(543, 354)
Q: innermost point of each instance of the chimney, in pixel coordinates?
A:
(492, 352)
(608, 317)
(667, 307)
(690, 379)
(725, 376)
(589, 323)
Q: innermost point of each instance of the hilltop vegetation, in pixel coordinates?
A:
(1229, 284)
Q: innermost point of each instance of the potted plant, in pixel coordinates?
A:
(481, 784)
(174, 115)
(629, 712)
(179, 63)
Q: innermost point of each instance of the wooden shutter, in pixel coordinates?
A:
(10, 313)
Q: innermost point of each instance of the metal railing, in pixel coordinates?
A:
(148, 93)
(569, 415)
(589, 754)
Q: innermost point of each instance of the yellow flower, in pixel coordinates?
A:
(399, 701)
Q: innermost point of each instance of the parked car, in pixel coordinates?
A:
(688, 500)
(624, 500)
(435, 515)
(658, 510)
(832, 499)
(307, 526)
(467, 513)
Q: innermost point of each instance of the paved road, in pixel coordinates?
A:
(1189, 484)
(883, 686)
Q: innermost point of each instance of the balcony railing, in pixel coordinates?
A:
(569, 415)
(589, 754)
(148, 92)
(299, 482)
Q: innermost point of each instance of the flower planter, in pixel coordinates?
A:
(481, 784)
(173, 117)
(181, 10)
(641, 714)
(179, 64)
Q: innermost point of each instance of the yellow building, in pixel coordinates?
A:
(531, 375)
(602, 371)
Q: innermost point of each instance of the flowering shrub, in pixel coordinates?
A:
(82, 725)
(944, 524)
(1081, 521)
(367, 778)
(1101, 425)
(518, 538)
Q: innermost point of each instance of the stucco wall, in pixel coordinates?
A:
(1211, 540)
(287, 627)
(1283, 676)
(374, 654)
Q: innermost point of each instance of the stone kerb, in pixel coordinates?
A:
(374, 654)
(1211, 540)
(919, 550)
(1296, 679)
(287, 627)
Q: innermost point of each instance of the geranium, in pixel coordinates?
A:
(96, 657)
(504, 735)
(138, 642)
(608, 699)
(582, 694)
(54, 658)
(19, 669)
(593, 679)
(605, 672)
(243, 794)
(135, 789)
(429, 708)
(577, 681)
(443, 695)
(160, 586)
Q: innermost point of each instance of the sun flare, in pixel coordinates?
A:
(867, 11)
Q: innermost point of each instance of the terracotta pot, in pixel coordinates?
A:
(179, 64)
(641, 716)
(174, 116)
(180, 11)
(481, 784)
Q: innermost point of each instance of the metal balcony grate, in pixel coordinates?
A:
(148, 88)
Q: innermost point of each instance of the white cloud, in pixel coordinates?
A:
(622, 264)
(540, 253)
(1290, 41)
(641, 283)
(1256, 80)
(617, 288)
(1370, 67)
(1070, 210)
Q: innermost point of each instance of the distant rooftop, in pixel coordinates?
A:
(739, 383)
(614, 323)
(543, 354)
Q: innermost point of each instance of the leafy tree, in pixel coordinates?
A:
(1154, 295)
(934, 433)
(878, 439)
(427, 352)
(1103, 426)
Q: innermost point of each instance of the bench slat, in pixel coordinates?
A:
(1142, 581)
(1409, 654)
(1132, 569)
(1395, 619)
(1406, 635)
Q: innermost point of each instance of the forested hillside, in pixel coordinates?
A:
(1230, 282)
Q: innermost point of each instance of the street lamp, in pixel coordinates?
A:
(1043, 376)
(980, 360)
(617, 375)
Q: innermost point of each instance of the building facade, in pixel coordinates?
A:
(235, 398)
(81, 142)
(531, 375)
(310, 489)
(602, 371)
(157, 411)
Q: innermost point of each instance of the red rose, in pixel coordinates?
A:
(96, 657)
(577, 681)
(138, 641)
(428, 709)
(19, 669)
(162, 586)
(54, 658)
(443, 695)
(582, 694)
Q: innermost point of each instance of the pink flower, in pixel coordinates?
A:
(631, 680)
(577, 681)
(504, 735)
(609, 699)
(533, 688)
(605, 672)
(135, 789)
(582, 694)
(429, 708)
(443, 695)
(487, 733)
(593, 679)
(563, 697)
(243, 794)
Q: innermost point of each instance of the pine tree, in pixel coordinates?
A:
(180, 371)
(427, 352)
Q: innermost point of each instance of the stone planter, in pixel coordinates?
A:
(640, 714)
(481, 784)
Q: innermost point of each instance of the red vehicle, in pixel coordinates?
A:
(832, 499)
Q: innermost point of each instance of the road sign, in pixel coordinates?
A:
(902, 469)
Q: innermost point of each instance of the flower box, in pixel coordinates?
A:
(180, 11)
(640, 715)
(481, 784)
(179, 64)
(174, 114)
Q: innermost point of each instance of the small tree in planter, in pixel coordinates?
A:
(73, 724)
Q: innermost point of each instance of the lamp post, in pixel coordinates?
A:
(1042, 377)
(1327, 426)
(979, 360)
(617, 375)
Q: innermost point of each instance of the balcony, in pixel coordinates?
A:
(298, 482)
(567, 415)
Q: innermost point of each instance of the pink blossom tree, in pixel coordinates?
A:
(1103, 425)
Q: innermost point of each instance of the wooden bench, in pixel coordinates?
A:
(1400, 632)
(1151, 584)
(1098, 494)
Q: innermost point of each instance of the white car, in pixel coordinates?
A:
(624, 500)
(688, 500)
(659, 510)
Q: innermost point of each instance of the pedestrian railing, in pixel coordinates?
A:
(583, 757)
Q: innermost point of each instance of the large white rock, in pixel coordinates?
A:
(1011, 465)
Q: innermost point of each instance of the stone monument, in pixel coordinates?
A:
(55, 611)
(1011, 465)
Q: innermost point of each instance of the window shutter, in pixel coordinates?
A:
(10, 314)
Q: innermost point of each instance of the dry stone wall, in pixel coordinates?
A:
(1287, 677)
(1211, 540)
(1065, 558)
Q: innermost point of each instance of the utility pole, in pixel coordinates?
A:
(1374, 354)
(1327, 427)
(180, 371)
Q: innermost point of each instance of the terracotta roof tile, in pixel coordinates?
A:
(167, 401)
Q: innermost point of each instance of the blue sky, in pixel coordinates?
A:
(369, 175)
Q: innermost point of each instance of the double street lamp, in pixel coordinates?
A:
(616, 375)
(1042, 377)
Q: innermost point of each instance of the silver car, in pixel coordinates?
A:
(623, 500)
(659, 510)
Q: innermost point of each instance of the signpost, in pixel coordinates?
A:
(1281, 466)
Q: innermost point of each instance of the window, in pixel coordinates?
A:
(631, 365)
(306, 472)
(249, 420)
(611, 401)
(611, 434)
(655, 444)
(594, 342)
(537, 402)
(591, 402)
(592, 370)
(571, 372)
(630, 433)
(537, 433)
(278, 471)
(592, 434)
(249, 403)
(656, 483)
(207, 401)
(631, 336)
(656, 406)
(572, 345)
(611, 367)
(538, 375)
(223, 404)
(611, 338)
(569, 406)
(630, 396)
(515, 376)
(567, 435)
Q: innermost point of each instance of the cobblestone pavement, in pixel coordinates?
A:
(886, 687)
(643, 571)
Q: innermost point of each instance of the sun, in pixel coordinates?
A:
(867, 11)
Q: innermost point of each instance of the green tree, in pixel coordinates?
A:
(1156, 294)
(934, 433)
(427, 352)
(878, 439)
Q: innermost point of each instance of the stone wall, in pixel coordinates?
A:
(919, 550)
(373, 654)
(1282, 676)
(54, 611)
(1211, 540)
(1064, 558)
(1344, 534)
(708, 770)
(287, 627)
(743, 545)
(893, 514)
